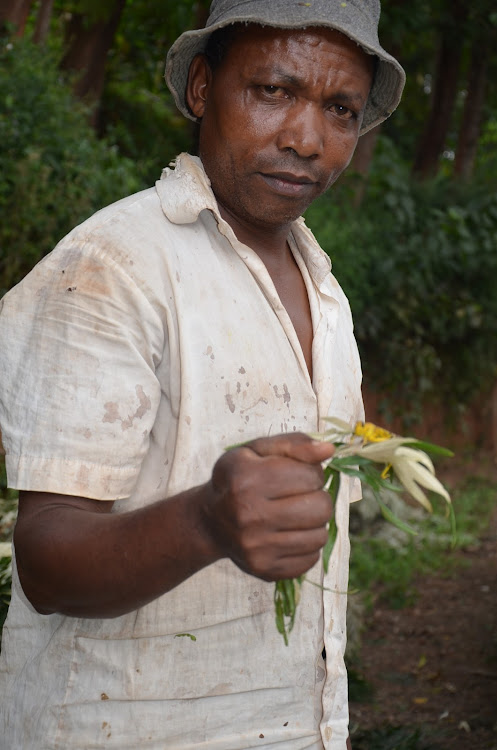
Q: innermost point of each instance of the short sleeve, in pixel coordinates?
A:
(79, 343)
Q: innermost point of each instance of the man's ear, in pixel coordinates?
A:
(197, 88)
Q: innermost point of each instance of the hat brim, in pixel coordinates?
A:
(384, 96)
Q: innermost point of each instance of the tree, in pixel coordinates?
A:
(15, 12)
(444, 91)
(483, 29)
(361, 162)
(43, 19)
(90, 34)
(469, 131)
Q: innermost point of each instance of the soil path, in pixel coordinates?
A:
(433, 666)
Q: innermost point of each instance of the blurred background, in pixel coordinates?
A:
(411, 228)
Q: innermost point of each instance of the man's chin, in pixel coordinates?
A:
(276, 222)
(281, 212)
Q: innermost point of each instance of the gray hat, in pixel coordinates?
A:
(357, 19)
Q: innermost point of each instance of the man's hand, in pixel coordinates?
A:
(266, 508)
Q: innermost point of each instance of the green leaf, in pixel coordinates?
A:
(388, 515)
(453, 525)
(332, 526)
(344, 461)
(436, 450)
(289, 600)
(186, 635)
(328, 547)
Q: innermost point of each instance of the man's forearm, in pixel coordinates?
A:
(264, 507)
(77, 559)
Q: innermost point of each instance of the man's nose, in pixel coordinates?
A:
(303, 131)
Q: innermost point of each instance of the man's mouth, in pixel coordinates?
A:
(289, 183)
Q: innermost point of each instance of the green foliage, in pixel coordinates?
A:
(94, 10)
(5, 588)
(391, 568)
(419, 264)
(54, 172)
(487, 153)
(147, 127)
(376, 563)
(8, 513)
(474, 503)
(138, 112)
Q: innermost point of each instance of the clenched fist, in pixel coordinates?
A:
(266, 508)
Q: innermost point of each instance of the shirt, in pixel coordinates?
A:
(146, 343)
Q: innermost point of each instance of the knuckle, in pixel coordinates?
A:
(232, 473)
(256, 563)
(323, 537)
(326, 501)
(313, 559)
(319, 474)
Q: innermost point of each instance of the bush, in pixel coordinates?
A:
(419, 263)
(8, 514)
(147, 126)
(54, 172)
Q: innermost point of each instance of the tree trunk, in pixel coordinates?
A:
(469, 132)
(494, 422)
(43, 21)
(202, 14)
(15, 12)
(87, 53)
(452, 34)
(444, 95)
(361, 161)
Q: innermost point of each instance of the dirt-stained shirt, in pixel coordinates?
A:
(147, 342)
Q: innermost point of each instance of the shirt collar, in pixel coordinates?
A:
(185, 190)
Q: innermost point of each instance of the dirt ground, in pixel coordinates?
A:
(433, 666)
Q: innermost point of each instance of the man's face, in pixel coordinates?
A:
(280, 120)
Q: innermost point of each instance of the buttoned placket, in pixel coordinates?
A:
(262, 277)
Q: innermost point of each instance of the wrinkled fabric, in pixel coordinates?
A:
(147, 342)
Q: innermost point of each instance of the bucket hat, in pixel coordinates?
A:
(357, 19)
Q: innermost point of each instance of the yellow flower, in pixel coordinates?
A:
(371, 433)
(411, 466)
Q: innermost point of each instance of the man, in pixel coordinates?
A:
(168, 327)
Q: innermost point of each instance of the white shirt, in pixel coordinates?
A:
(147, 342)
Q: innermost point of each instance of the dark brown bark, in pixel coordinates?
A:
(469, 132)
(15, 12)
(364, 152)
(202, 14)
(494, 422)
(452, 35)
(43, 21)
(444, 95)
(87, 51)
(361, 162)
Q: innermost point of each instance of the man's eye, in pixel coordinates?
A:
(341, 111)
(274, 91)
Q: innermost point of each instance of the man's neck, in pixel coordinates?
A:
(270, 244)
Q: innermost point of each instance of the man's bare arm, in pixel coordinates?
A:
(264, 508)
